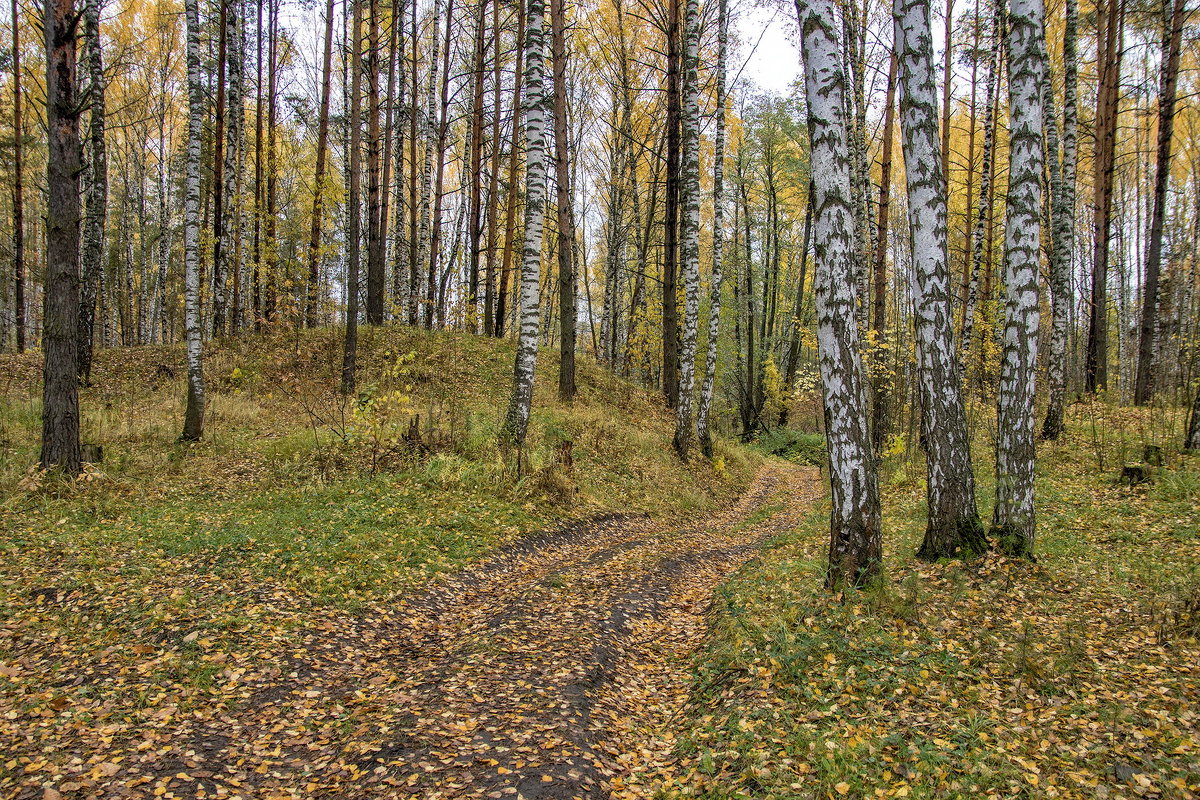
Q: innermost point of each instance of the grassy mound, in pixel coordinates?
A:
(1076, 676)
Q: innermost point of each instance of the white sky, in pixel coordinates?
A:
(771, 60)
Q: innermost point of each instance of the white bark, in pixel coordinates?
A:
(193, 426)
(953, 524)
(689, 244)
(718, 238)
(1013, 520)
(516, 423)
(854, 550)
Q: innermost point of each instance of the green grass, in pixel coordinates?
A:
(987, 678)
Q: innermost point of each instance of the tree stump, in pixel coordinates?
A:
(1133, 474)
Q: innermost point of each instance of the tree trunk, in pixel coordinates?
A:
(1062, 263)
(193, 419)
(670, 310)
(218, 182)
(953, 526)
(1013, 518)
(18, 197)
(689, 227)
(516, 423)
(703, 431)
(314, 235)
(510, 211)
(375, 277)
(855, 541)
(354, 200)
(60, 316)
(270, 299)
(564, 211)
(1168, 79)
(97, 193)
(1112, 24)
(880, 380)
(235, 144)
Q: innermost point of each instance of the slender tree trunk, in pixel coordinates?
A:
(953, 526)
(312, 289)
(1192, 442)
(18, 196)
(60, 316)
(493, 201)
(564, 211)
(270, 300)
(218, 183)
(516, 423)
(947, 90)
(97, 193)
(703, 430)
(193, 419)
(476, 166)
(880, 380)
(1112, 22)
(259, 193)
(1169, 78)
(354, 200)
(670, 310)
(855, 541)
(1062, 263)
(375, 230)
(510, 211)
(235, 143)
(689, 227)
(1013, 518)
(983, 211)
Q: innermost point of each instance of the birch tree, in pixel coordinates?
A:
(193, 418)
(18, 194)
(231, 224)
(1013, 518)
(516, 422)
(855, 542)
(689, 248)
(97, 192)
(953, 525)
(312, 286)
(60, 316)
(1063, 219)
(703, 432)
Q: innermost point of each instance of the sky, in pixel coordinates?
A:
(770, 59)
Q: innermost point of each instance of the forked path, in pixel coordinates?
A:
(552, 670)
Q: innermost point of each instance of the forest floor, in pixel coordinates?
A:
(549, 670)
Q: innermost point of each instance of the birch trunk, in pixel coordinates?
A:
(218, 180)
(953, 525)
(97, 193)
(235, 145)
(1063, 253)
(855, 546)
(689, 244)
(516, 423)
(1013, 519)
(193, 419)
(703, 431)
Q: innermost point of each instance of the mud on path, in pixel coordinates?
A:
(551, 670)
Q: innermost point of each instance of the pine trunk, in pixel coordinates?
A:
(565, 215)
(60, 316)
(1168, 79)
(354, 201)
(312, 287)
